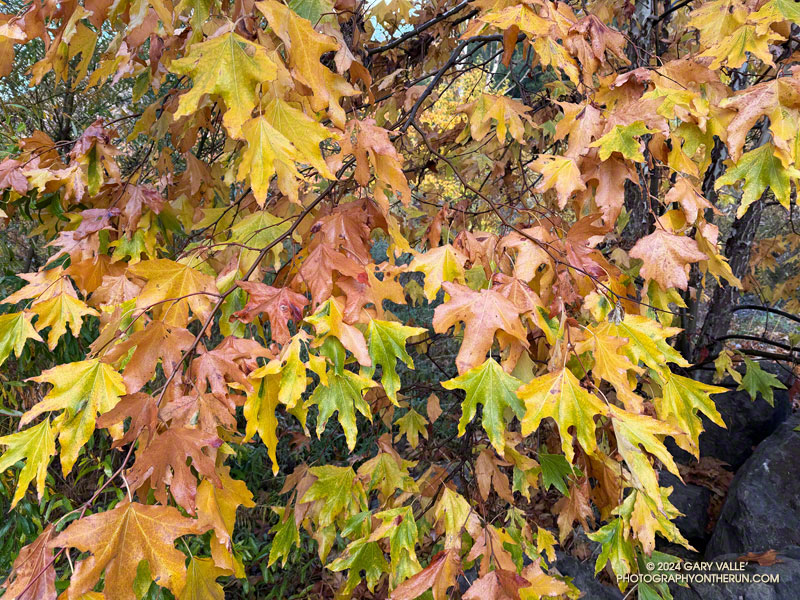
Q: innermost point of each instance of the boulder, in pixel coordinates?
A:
(693, 501)
(787, 573)
(582, 573)
(762, 509)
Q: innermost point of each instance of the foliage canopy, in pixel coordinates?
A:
(261, 217)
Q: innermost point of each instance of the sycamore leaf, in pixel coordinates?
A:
(496, 390)
(647, 342)
(59, 312)
(281, 305)
(412, 425)
(230, 67)
(441, 264)
(489, 475)
(165, 461)
(361, 556)
(305, 48)
(15, 330)
(259, 411)
(634, 432)
(256, 231)
(497, 585)
(201, 580)
(387, 472)
(82, 390)
(268, 151)
(666, 258)
(508, 115)
(35, 445)
(399, 525)
(681, 400)
(439, 576)
(622, 139)
(454, 514)
(339, 492)
(617, 548)
(760, 169)
(757, 381)
(484, 313)
(156, 341)
(555, 471)
(285, 536)
(33, 570)
(561, 173)
(119, 539)
(216, 510)
(559, 395)
(172, 289)
(328, 321)
(387, 345)
(343, 394)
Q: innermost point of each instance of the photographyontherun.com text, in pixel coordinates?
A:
(718, 572)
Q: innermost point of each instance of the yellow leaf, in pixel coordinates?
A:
(172, 289)
(305, 48)
(201, 580)
(35, 445)
(230, 67)
(15, 330)
(59, 312)
(559, 395)
(444, 263)
(82, 390)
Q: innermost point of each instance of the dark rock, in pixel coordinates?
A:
(762, 509)
(786, 588)
(748, 423)
(693, 501)
(583, 578)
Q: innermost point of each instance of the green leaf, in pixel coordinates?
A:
(343, 394)
(757, 381)
(412, 425)
(496, 390)
(361, 555)
(555, 470)
(387, 345)
(622, 139)
(400, 527)
(681, 400)
(616, 548)
(760, 169)
(284, 536)
(34, 445)
(339, 491)
(232, 68)
(15, 330)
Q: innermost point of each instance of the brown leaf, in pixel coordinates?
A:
(143, 413)
(156, 341)
(164, 461)
(765, 559)
(483, 314)
(33, 575)
(316, 272)
(488, 474)
(439, 576)
(281, 305)
(497, 585)
(119, 539)
(667, 258)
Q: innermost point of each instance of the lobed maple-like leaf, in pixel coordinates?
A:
(231, 67)
(496, 390)
(33, 574)
(82, 390)
(165, 461)
(484, 313)
(119, 539)
(281, 305)
(36, 445)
